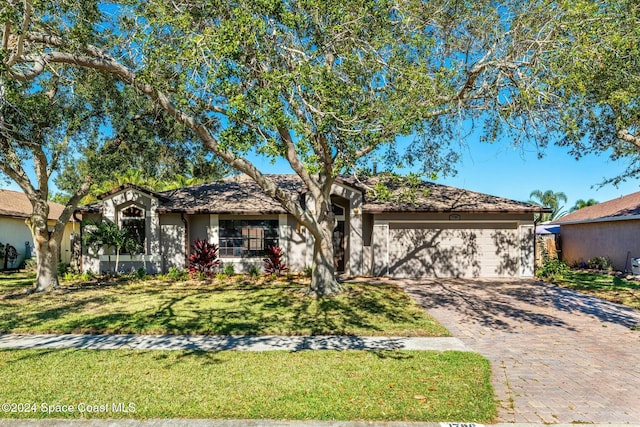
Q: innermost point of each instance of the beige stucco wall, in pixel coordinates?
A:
(614, 240)
(198, 225)
(65, 245)
(296, 245)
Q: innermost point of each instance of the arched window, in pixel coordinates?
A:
(132, 220)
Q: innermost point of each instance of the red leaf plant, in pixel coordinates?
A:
(204, 258)
(273, 263)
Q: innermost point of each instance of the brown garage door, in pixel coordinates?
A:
(457, 250)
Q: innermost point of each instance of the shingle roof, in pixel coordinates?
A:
(15, 204)
(432, 197)
(241, 195)
(619, 208)
(233, 195)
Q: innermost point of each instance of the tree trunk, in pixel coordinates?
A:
(47, 261)
(323, 276)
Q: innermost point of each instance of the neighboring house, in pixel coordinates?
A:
(610, 229)
(442, 232)
(15, 208)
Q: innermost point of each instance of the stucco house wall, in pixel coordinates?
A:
(617, 240)
(16, 233)
(379, 237)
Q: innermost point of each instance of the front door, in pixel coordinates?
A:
(338, 247)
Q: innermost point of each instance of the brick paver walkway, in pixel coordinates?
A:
(557, 356)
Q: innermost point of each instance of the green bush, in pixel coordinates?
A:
(70, 277)
(88, 275)
(552, 267)
(254, 271)
(63, 268)
(229, 270)
(599, 263)
(141, 273)
(175, 274)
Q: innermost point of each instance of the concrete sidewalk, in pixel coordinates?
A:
(219, 342)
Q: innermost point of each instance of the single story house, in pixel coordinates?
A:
(440, 231)
(609, 229)
(15, 208)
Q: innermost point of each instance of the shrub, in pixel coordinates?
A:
(254, 271)
(273, 263)
(221, 277)
(599, 263)
(88, 275)
(175, 274)
(70, 277)
(229, 270)
(307, 271)
(141, 273)
(204, 258)
(552, 267)
(63, 268)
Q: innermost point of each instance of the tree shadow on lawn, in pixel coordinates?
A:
(214, 310)
(14, 317)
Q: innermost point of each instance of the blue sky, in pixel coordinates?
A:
(514, 172)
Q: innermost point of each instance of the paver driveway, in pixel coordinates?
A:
(557, 356)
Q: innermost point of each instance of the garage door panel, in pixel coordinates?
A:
(460, 251)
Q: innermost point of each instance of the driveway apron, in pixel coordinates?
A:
(557, 356)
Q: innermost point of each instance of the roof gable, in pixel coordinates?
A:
(620, 208)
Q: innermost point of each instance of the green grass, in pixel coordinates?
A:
(232, 306)
(322, 385)
(16, 281)
(608, 287)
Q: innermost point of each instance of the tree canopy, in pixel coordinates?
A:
(593, 78)
(324, 84)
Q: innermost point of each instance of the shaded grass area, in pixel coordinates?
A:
(608, 287)
(326, 385)
(16, 280)
(234, 306)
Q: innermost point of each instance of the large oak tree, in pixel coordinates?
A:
(324, 84)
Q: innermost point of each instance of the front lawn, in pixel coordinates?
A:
(608, 287)
(229, 306)
(322, 385)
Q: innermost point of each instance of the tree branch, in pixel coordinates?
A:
(26, 22)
